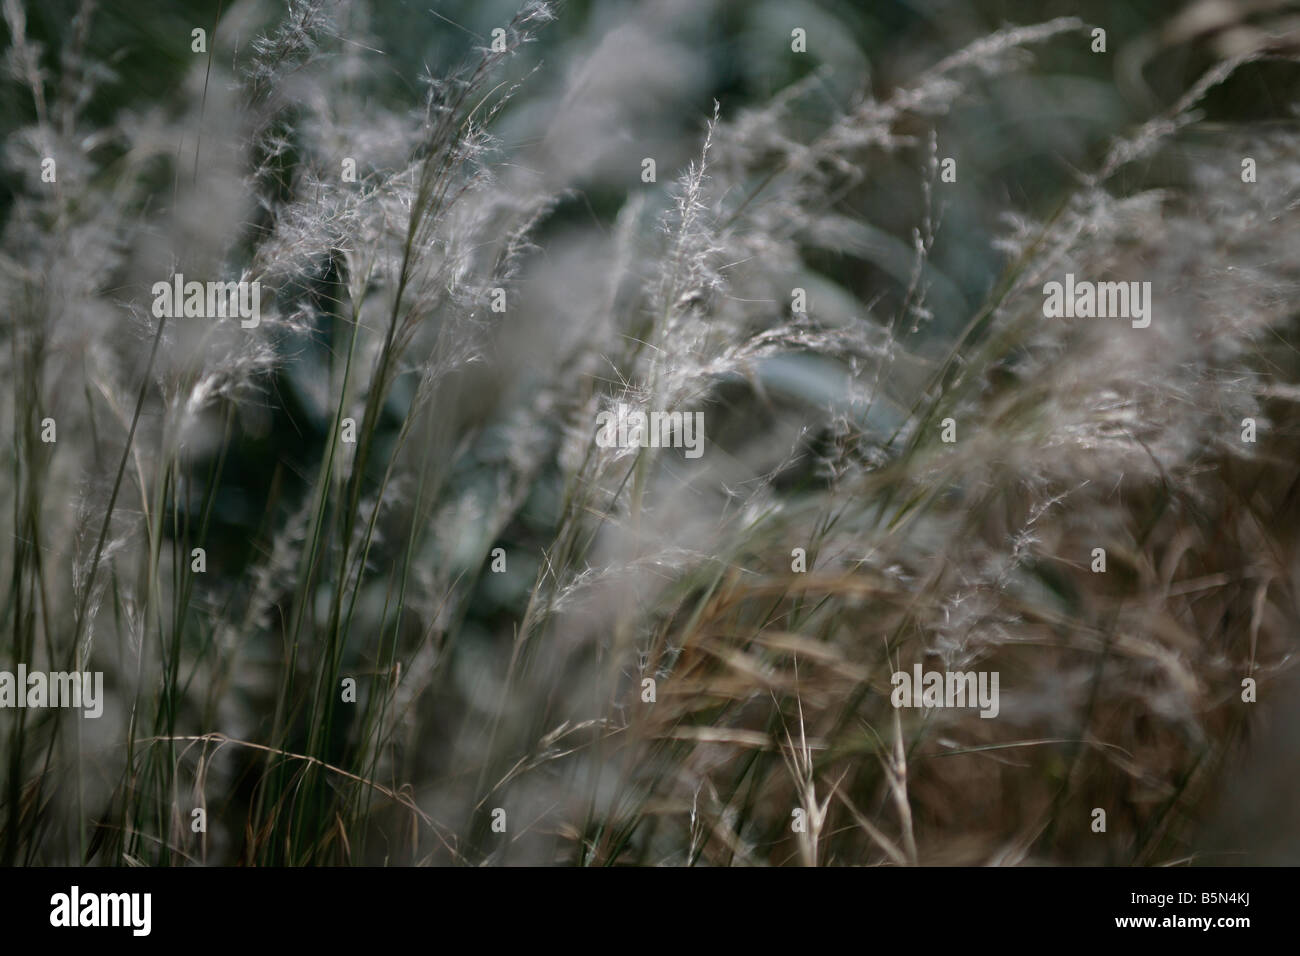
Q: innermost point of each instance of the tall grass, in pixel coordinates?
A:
(522, 691)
